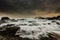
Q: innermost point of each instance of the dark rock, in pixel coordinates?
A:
(4, 18)
(49, 23)
(57, 23)
(58, 16)
(31, 21)
(9, 31)
(39, 18)
(53, 21)
(22, 19)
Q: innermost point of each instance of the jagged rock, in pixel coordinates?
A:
(9, 30)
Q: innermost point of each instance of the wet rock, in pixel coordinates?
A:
(53, 21)
(57, 23)
(49, 23)
(5, 18)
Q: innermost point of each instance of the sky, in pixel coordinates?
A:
(29, 8)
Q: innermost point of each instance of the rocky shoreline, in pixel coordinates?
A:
(9, 31)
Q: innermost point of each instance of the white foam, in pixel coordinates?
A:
(35, 32)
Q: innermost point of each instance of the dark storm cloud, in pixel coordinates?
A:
(22, 5)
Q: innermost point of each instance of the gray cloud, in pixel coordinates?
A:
(23, 5)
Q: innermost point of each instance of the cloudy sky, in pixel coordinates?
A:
(29, 8)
